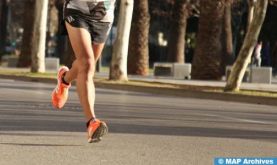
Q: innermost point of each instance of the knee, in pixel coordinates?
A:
(86, 66)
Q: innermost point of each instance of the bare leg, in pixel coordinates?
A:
(97, 49)
(83, 68)
(71, 75)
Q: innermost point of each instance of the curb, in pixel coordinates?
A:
(186, 93)
(194, 94)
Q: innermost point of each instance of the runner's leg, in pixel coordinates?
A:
(83, 68)
(73, 72)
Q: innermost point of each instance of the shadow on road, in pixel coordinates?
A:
(39, 145)
(39, 116)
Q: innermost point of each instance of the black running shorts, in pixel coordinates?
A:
(96, 16)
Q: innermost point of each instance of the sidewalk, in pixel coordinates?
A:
(246, 86)
(168, 80)
(213, 90)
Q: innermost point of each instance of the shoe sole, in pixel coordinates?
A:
(56, 105)
(99, 133)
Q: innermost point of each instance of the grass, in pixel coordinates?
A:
(27, 73)
(191, 88)
(107, 69)
(257, 93)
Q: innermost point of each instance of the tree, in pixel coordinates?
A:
(64, 48)
(118, 68)
(251, 5)
(208, 52)
(39, 37)
(244, 57)
(26, 48)
(274, 54)
(239, 9)
(138, 54)
(68, 56)
(176, 46)
(273, 2)
(227, 39)
(3, 27)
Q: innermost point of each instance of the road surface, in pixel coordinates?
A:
(145, 129)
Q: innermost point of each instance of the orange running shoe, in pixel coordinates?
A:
(96, 130)
(60, 93)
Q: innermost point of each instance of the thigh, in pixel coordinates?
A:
(80, 40)
(97, 50)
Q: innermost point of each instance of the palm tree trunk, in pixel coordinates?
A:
(274, 57)
(26, 48)
(238, 70)
(64, 48)
(39, 38)
(3, 27)
(227, 39)
(138, 54)
(118, 68)
(208, 53)
(176, 45)
(68, 54)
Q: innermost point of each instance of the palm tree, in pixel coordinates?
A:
(138, 54)
(244, 57)
(64, 48)
(251, 6)
(3, 23)
(228, 56)
(26, 48)
(39, 37)
(207, 58)
(274, 57)
(176, 47)
(118, 68)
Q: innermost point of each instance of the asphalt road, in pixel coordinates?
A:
(145, 129)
